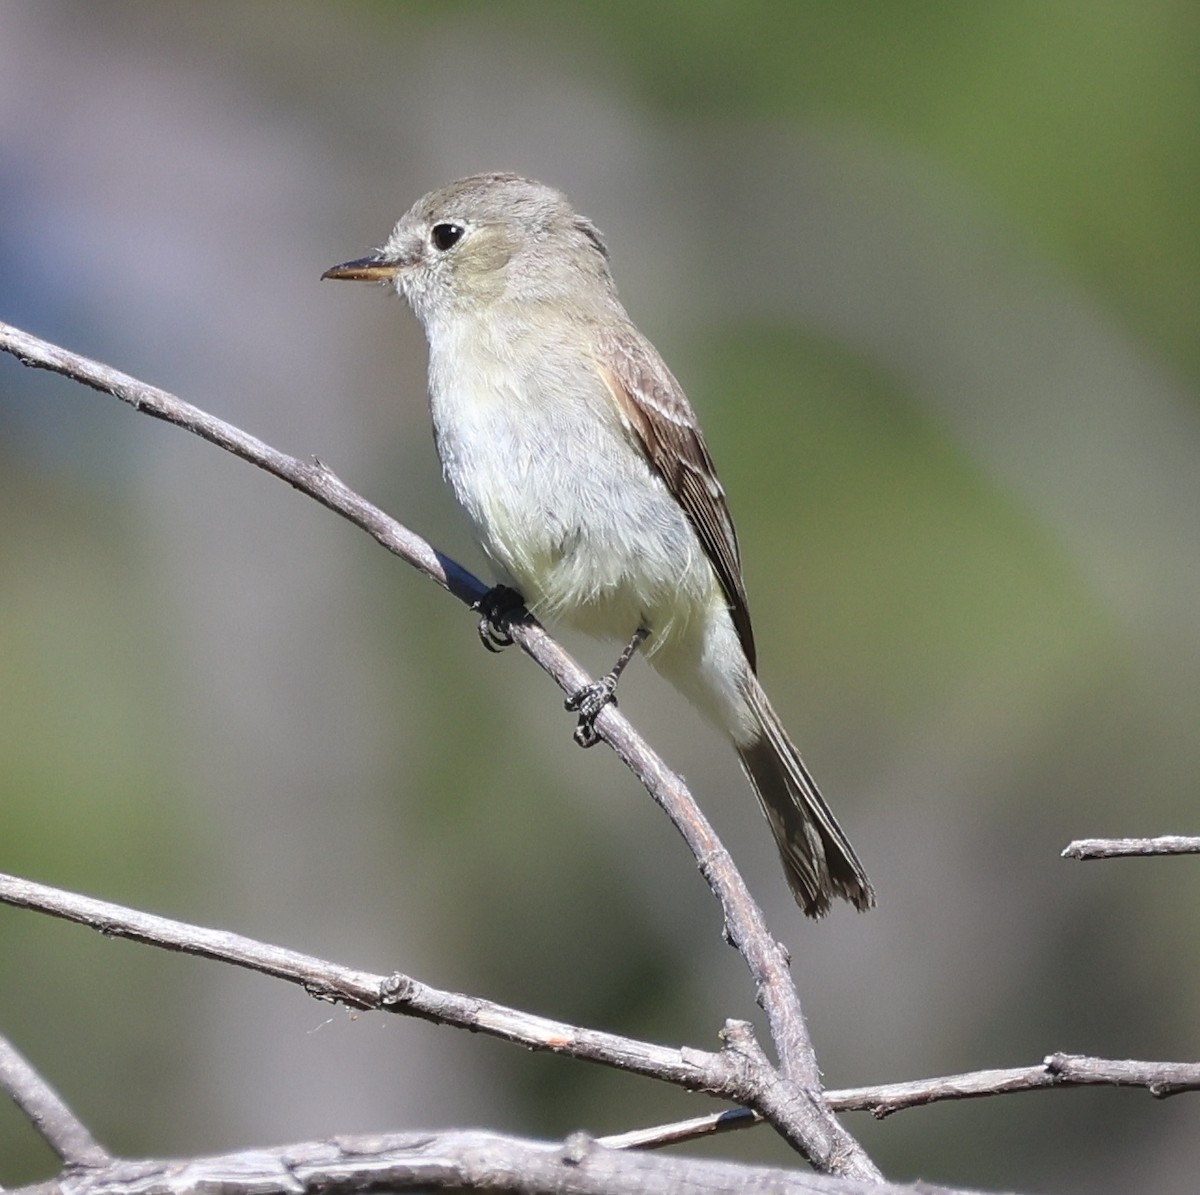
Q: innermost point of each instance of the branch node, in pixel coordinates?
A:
(396, 989)
(576, 1148)
(738, 1035)
(1057, 1064)
(741, 1044)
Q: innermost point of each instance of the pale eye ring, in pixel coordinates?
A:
(446, 236)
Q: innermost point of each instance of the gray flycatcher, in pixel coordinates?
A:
(580, 463)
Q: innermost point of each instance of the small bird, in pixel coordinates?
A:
(581, 466)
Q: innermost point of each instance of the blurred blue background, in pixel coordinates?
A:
(930, 272)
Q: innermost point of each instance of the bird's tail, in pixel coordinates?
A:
(819, 861)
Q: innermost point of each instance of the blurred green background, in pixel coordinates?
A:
(929, 271)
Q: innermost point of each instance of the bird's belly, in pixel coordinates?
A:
(576, 519)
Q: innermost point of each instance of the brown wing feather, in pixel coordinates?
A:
(656, 409)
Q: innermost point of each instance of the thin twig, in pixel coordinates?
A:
(1160, 1079)
(681, 1131)
(62, 1130)
(459, 1161)
(1123, 848)
(798, 1112)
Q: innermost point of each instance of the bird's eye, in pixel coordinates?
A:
(446, 236)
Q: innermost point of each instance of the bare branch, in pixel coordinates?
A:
(1123, 848)
(721, 1073)
(1161, 1079)
(802, 1115)
(739, 1072)
(61, 1129)
(457, 1161)
(311, 478)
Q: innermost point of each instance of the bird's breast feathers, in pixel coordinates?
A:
(563, 499)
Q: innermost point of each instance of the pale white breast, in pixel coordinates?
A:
(560, 497)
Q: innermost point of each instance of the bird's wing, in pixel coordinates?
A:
(657, 412)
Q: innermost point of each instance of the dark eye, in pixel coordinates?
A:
(446, 236)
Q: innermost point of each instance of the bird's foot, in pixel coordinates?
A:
(587, 703)
(591, 699)
(496, 609)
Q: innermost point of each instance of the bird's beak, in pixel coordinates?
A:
(365, 269)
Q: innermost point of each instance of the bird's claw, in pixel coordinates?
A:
(588, 702)
(496, 609)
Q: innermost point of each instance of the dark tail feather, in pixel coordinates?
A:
(819, 861)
